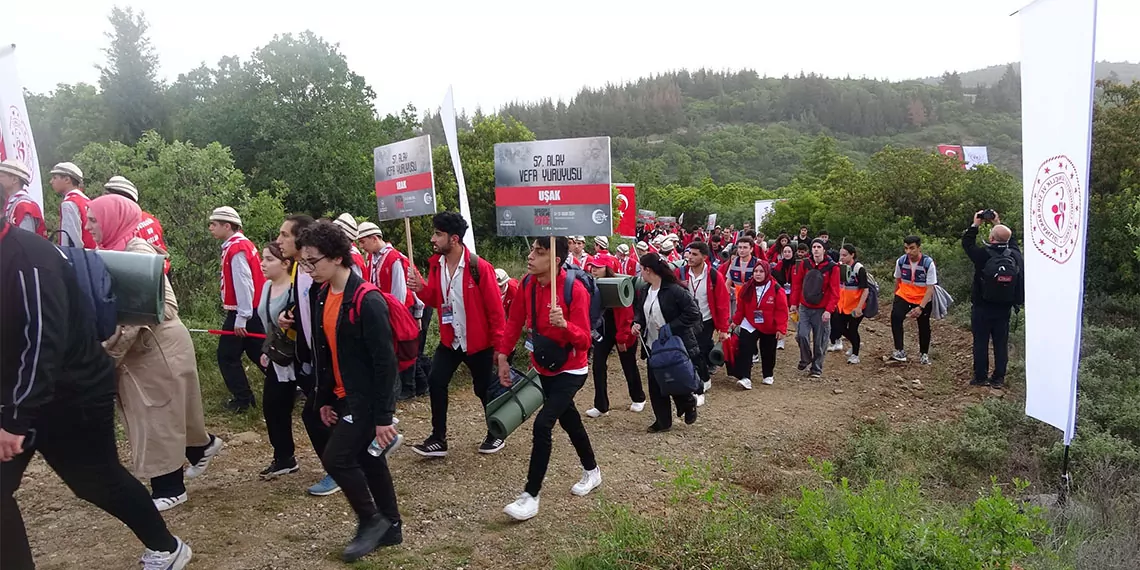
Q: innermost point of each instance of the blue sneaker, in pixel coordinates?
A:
(324, 487)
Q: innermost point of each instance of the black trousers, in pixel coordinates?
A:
(749, 342)
(230, 349)
(989, 322)
(278, 399)
(662, 410)
(79, 445)
(848, 326)
(705, 344)
(629, 368)
(443, 366)
(425, 323)
(365, 480)
(558, 406)
(898, 316)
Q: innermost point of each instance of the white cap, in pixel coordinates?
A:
(348, 224)
(121, 185)
(673, 238)
(68, 169)
(225, 214)
(579, 238)
(367, 229)
(657, 240)
(641, 246)
(667, 245)
(17, 169)
(503, 278)
(602, 242)
(623, 249)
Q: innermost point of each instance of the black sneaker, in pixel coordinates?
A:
(977, 382)
(394, 536)
(431, 447)
(491, 444)
(278, 468)
(691, 415)
(405, 396)
(368, 537)
(239, 406)
(658, 429)
(996, 384)
(802, 366)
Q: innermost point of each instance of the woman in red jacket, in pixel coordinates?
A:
(615, 332)
(761, 315)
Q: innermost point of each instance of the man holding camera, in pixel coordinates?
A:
(999, 285)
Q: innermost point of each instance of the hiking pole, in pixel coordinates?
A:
(225, 333)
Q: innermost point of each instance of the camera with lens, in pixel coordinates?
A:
(988, 215)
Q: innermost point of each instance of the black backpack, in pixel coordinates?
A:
(813, 284)
(1000, 278)
(597, 316)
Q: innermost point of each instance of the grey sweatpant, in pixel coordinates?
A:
(812, 338)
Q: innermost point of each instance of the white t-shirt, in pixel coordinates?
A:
(654, 319)
(699, 286)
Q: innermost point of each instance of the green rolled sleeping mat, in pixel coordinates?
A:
(137, 281)
(616, 291)
(716, 355)
(507, 412)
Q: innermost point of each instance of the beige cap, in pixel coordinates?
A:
(641, 246)
(579, 238)
(673, 238)
(17, 169)
(225, 214)
(68, 169)
(121, 185)
(502, 277)
(368, 229)
(348, 224)
(602, 242)
(667, 245)
(623, 249)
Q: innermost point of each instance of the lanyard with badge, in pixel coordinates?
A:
(758, 314)
(695, 284)
(446, 313)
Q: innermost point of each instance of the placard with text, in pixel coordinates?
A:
(554, 187)
(405, 186)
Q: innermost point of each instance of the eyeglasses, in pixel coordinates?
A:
(310, 264)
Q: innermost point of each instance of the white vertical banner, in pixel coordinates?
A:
(15, 130)
(1057, 38)
(975, 155)
(763, 208)
(447, 114)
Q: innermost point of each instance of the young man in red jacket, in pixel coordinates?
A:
(815, 295)
(242, 282)
(462, 287)
(66, 179)
(710, 288)
(567, 327)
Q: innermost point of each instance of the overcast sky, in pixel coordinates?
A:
(505, 50)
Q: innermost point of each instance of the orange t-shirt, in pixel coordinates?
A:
(328, 322)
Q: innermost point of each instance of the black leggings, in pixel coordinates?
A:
(846, 326)
(629, 368)
(898, 316)
(79, 445)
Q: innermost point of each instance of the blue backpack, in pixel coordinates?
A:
(575, 274)
(669, 360)
(95, 286)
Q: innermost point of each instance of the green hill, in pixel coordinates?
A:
(1122, 71)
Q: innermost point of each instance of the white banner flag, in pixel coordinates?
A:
(447, 113)
(1057, 39)
(15, 130)
(976, 155)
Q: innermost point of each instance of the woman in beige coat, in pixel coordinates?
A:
(159, 395)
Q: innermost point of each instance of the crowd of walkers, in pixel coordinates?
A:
(333, 313)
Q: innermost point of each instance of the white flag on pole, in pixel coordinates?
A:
(976, 155)
(447, 113)
(15, 130)
(1057, 39)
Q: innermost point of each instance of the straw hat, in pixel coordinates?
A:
(623, 249)
(602, 242)
(368, 229)
(348, 224)
(68, 169)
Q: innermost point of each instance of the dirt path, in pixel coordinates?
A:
(452, 507)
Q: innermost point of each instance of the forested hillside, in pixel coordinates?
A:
(1122, 71)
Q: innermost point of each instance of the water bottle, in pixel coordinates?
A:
(377, 450)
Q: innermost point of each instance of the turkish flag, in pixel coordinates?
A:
(627, 209)
(953, 151)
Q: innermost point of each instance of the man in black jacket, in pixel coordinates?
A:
(356, 372)
(57, 396)
(989, 318)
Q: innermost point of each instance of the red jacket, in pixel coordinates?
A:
(151, 232)
(774, 307)
(238, 244)
(80, 200)
(628, 266)
(482, 304)
(623, 320)
(358, 260)
(577, 331)
(717, 291)
(830, 284)
(20, 206)
(381, 275)
(510, 295)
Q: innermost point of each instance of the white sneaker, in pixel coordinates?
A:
(167, 503)
(924, 359)
(176, 560)
(853, 359)
(899, 356)
(700, 400)
(708, 386)
(755, 358)
(744, 383)
(637, 407)
(200, 467)
(590, 481)
(780, 344)
(837, 347)
(525, 507)
(595, 413)
(768, 381)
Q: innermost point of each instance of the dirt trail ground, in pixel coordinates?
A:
(452, 508)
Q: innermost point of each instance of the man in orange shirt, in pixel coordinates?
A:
(356, 371)
(915, 278)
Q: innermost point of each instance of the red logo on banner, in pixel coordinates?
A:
(1055, 209)
(627, 210)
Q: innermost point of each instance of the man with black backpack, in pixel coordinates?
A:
(815, 295)
(998, 287)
